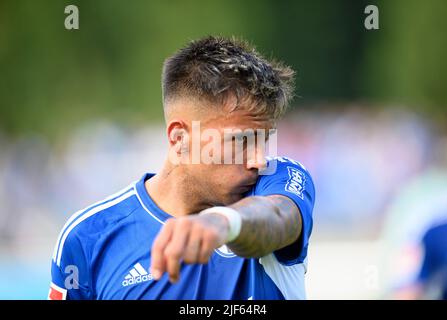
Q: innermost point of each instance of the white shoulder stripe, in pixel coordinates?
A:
(145, 208)
(87, 215)
(78, 213)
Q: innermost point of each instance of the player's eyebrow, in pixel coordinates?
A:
(238, 134)
(245, 134)
(249, 134)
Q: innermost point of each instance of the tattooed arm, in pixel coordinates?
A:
(269, 223)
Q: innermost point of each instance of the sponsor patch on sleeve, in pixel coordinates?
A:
(296, 182)
(57, 293)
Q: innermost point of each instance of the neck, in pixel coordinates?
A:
(172, 192)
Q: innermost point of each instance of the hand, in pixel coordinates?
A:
(190, 239)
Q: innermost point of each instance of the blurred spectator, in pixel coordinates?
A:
(432, 279)
(358, 159)
(414, 239)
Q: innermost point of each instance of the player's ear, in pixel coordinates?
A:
(178, 136)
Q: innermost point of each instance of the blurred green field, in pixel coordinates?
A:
(54, 79)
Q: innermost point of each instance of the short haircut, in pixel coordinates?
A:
(214, 68)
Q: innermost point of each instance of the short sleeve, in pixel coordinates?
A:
(69, 270)
(289, 178)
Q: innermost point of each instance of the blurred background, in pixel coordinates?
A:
(81, 117)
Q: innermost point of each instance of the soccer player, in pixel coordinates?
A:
(201, 229)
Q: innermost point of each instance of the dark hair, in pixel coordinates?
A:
(213, 68)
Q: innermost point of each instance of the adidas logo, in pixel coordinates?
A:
(136, 275)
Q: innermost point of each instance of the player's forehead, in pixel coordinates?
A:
(242, 117)
(247, 120)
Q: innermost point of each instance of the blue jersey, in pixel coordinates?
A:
(104, 251)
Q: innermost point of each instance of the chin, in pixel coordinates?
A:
(232, 198)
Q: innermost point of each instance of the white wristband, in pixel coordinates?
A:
(233, 217)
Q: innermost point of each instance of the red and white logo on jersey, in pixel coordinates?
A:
(57, 293)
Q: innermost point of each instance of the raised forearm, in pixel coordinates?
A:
(268, 224)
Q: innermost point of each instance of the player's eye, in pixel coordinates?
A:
(239, 139)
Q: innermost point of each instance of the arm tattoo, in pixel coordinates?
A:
(269, 223)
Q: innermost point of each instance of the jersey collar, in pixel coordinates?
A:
(148, 203)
